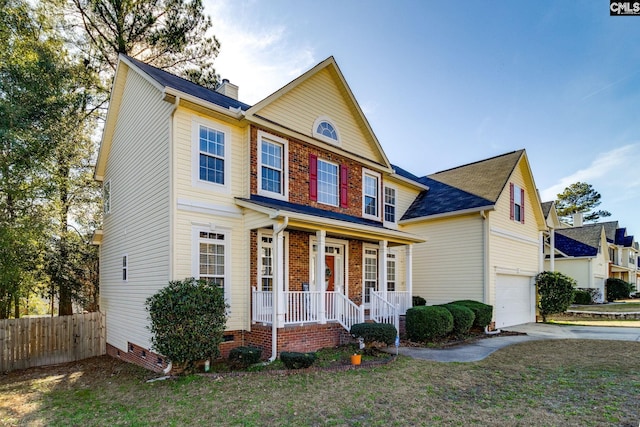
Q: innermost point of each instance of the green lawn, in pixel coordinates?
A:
(555, 382)
(628, 307)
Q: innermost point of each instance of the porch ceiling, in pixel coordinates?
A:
(311, 221)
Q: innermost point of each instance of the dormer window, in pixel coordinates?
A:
(326, 130)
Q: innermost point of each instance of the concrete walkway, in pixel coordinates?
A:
(534, 331)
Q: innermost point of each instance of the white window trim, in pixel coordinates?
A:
(339, 243)
(125, 268)
(269, 233)
(195, 256)
(196, 122)
(322, 137)
(366, 172)
(389, 224)
(364, 273)
(319, 160)
(285, 165)
(106, 197)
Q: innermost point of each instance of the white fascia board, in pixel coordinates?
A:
(409, 181)
(447, 214)
(231, 112)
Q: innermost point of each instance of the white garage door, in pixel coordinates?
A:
(514, 300)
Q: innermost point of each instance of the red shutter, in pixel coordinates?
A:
(344, 185)
(313, 177)
(511, 213)
(522, 206)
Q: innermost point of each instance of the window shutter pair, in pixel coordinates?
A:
(313, 181)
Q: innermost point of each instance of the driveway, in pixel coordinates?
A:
(534, 331)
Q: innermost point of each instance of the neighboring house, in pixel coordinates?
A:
(483, 225)
(581, 252)
(553, 223)
(623, 253)
(293, 194)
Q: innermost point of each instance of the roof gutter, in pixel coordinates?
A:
(480, 209)
(235, 113)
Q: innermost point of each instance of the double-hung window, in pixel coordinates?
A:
(328, 183)
(266, 263)
(370, 273)
(517, 203)
(371, 194)
(211, 154)
(212, 256)
(272, 166)
(390, 204)
(391, 272)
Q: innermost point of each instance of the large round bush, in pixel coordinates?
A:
(618, 289)
(482, 311)
(463, 318)
(556, 292)
(188, 318)
(426, 323)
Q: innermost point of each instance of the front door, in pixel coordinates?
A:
(330, 272)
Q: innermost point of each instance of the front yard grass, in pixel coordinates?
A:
(554, 382)
(622, 307)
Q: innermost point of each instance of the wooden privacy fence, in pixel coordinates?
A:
(38, 341)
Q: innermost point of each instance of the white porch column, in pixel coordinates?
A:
(382, 268)
(540, 251)
(321, 237)
(552, 243)
(278, 275)
(409, 273)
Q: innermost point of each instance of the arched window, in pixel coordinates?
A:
(324, 129)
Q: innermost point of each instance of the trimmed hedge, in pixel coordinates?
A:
(374, 332)
(295, 360)
(425, 323)
(581, 297)
(556, 292)
(463, 318)
(618, 289)
(483, 312)
(418, 300)
(245, 355)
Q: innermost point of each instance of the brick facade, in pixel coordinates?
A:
(299, 174)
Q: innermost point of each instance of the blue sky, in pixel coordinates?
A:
(447, 83)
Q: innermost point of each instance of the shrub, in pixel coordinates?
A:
(245, 355)
(581, 297)
(417, 301)
(374, 332)
(425, 323)
(295, 360)
(556, 293)
(463, 318)
(618, 289)
(188, 318)
(594, 293)
(482, 311)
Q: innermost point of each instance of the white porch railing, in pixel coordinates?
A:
(400, 298)
(347, 312)
(307, 307)
(382, 311)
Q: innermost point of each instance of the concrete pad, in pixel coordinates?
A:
(482, 348)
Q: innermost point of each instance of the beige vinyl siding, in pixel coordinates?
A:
(320, 96)
(449, 265)
(138, 224)
(514, 247)
(235, 159)
(577, 269)
(237, 244)
(404, 198)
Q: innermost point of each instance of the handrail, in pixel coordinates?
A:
(382, 311)
(347, 312)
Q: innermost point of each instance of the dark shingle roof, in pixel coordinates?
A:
(610, 230)
(546, 208)
(579, 241)
(170, 80)
(486, 178)
(309, 210)
(442, 198)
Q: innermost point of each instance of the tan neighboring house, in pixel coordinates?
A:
(290, 205)
(484, 224)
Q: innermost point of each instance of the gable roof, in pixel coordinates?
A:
(166, 79)
(610, 228)
(330, 65)
(546, 208)
(485, 178)
(579, 241)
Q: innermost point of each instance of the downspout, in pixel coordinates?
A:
(277, 229)
(485, 269)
